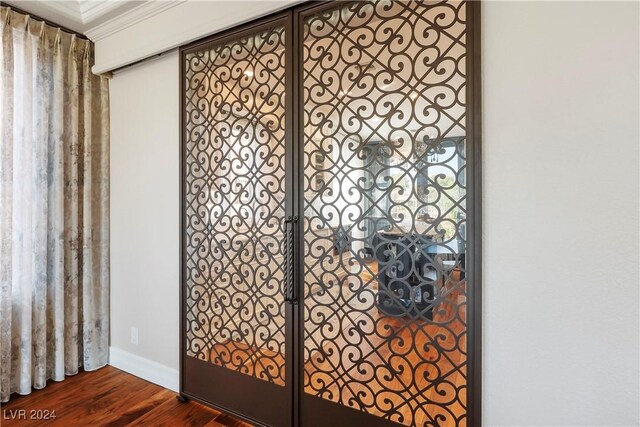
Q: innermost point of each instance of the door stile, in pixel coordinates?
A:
(474, 136)
(291, 211)
(296, 175)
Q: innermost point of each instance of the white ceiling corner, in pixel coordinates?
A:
(95, 18)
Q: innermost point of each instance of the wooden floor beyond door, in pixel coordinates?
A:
(109, 397)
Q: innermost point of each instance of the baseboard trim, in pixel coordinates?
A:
(145, 368)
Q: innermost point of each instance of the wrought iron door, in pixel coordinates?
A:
(235, 140)
(385, 155)
(330, 257)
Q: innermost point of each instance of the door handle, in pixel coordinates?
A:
(290, 294)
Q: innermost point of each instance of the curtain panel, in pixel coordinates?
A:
(54, 206)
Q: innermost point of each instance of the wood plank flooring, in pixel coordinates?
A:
(110, 397)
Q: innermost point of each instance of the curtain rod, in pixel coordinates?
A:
(46, 21)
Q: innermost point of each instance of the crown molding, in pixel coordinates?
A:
(70, 10)
(92, 10)
(139, 13)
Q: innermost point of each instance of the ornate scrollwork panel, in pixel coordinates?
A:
(234, 196)
(385, 292)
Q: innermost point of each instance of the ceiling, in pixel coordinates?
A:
(83, 15)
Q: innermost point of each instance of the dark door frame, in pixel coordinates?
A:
(197, 371)
(290, 18)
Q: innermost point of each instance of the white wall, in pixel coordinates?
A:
(561, 213)
(561, 126)
(145, 209)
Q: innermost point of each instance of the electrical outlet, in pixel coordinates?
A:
(134, 336)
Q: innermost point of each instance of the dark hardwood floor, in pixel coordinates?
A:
(108, 397)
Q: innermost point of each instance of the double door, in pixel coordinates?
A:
(330, 194)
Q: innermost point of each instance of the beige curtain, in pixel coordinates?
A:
(54, 205)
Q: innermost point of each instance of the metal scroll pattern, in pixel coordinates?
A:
(384, 204)
(234, 194)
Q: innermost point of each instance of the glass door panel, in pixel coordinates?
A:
(384, 200)
(234, 228)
